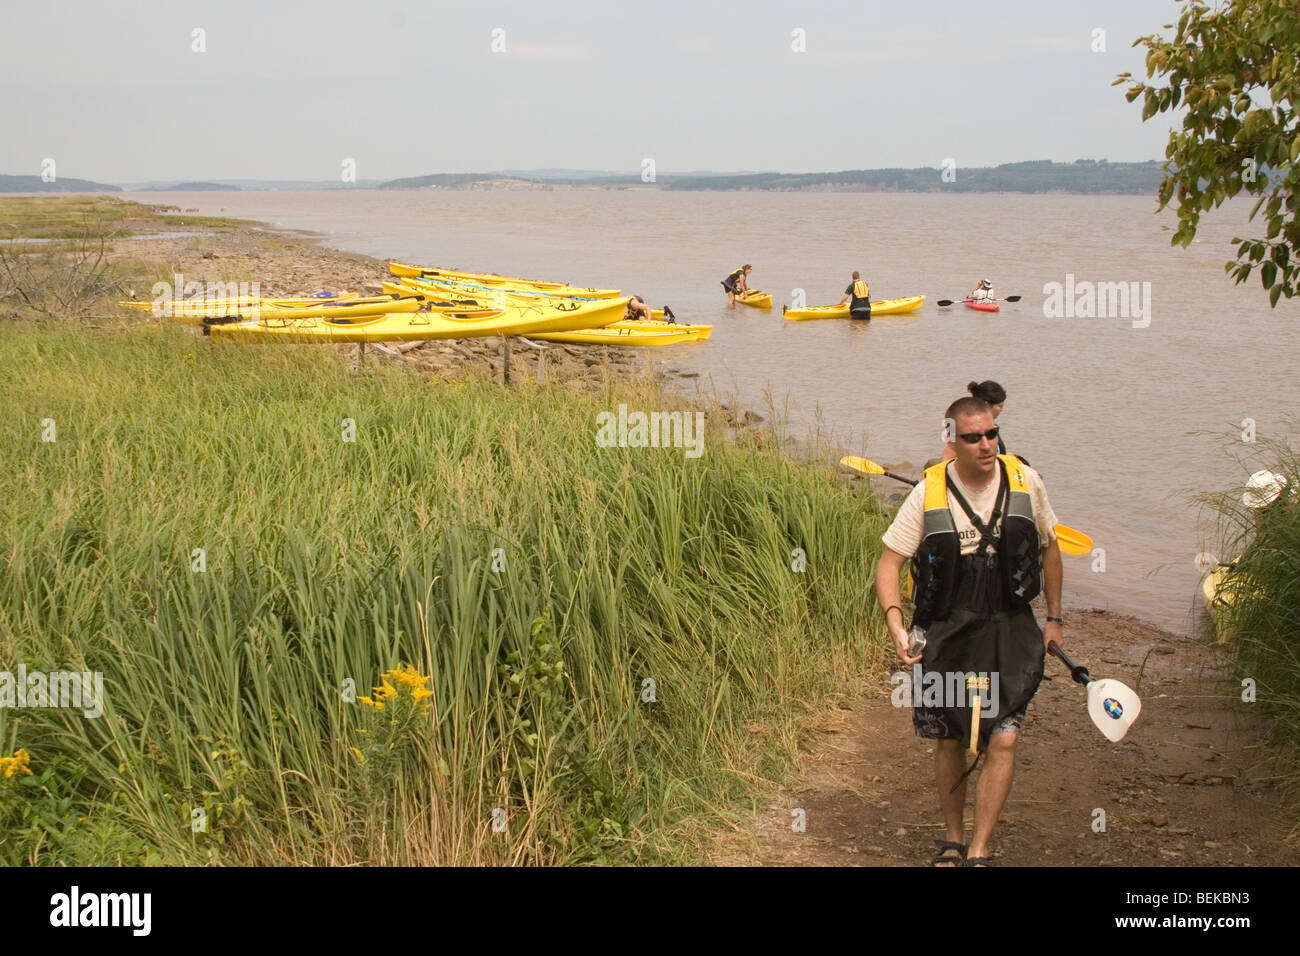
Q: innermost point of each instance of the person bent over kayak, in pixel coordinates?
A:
(636, 309)
(858, 295)
(979, 533)
(735, 283)
(982, 292)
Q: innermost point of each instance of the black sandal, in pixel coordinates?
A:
(977, 861)
(941, 858)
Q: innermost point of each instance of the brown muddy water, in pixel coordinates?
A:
(1127, 417)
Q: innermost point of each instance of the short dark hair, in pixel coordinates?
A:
(967, 405)
(855, 274)
(989, 391)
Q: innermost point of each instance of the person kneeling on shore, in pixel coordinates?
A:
(979, 533)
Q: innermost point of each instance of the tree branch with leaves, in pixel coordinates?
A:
(1234, 70)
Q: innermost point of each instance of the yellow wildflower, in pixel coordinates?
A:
(16, 764)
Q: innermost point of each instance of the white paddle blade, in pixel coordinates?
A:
(1113, 707)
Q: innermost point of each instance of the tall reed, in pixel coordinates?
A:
(619, 641)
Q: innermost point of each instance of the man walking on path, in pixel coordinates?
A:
(979, 531)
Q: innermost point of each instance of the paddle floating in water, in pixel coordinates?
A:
(1010, 298)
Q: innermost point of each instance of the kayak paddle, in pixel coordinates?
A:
(1112, 705)
(1070, 540)
(1010, 298)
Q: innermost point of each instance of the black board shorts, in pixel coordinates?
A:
(981, 635)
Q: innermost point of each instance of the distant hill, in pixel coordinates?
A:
(547, 178)
(34, 184)
(250, 185)
(1081, 176)
(202, 187)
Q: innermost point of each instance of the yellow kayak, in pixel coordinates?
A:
(207, 305)
(343, 308)
(1222, 588)
(760, 300)
(526, 320)
(491, 282)
(496, 296)
(632, 334)
(883, 307)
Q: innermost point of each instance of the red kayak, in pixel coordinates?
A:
(983, 306)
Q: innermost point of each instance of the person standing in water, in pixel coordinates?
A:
(858, 295)
(736, 283)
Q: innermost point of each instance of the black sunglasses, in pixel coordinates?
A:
(972, 438)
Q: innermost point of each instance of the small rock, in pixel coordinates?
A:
(901, 832)
(1160, 820)
(1211, 845)
(1163, 649)
(1180, 831)
(1160, 800)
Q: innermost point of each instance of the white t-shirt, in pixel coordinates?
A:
(908, 529)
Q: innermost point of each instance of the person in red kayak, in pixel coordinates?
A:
(858, 295)
(979, 533)
(736, 283)
(983, 292)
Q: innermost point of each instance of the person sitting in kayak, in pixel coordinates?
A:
(736, 283)
(636, 309)
(858, 295)
(983, 292)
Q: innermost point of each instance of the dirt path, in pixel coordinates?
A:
(1193, 784)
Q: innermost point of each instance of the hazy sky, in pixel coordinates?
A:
(289, 90)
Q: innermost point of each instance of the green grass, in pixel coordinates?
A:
(1261, 622)
(77, 217)
(472, 532)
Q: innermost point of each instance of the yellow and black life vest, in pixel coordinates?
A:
(860, 289)
(935, 567)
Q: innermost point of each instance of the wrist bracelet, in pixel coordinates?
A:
(1055, 620)
(893, 607)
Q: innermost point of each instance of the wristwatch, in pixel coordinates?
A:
(1055, 620)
